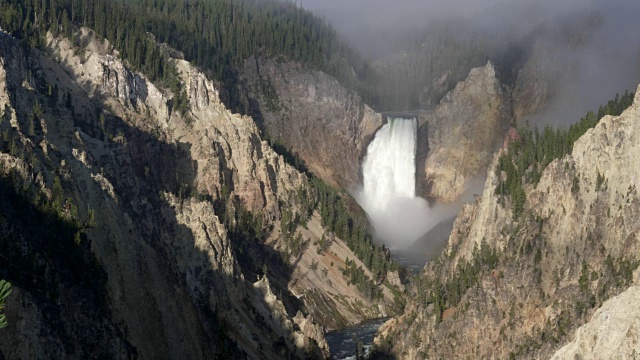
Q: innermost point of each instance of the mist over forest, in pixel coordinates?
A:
(583, 51)
(371, 25)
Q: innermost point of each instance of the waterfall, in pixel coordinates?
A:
(389, 169)
(388, 194)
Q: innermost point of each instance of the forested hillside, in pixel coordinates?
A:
(532, 150)
(217, 35)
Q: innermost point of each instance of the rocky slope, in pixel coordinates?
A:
(330, 297)
(533, 279)
(313, 116)
(174, 209)
(458, 137)
(612, 332)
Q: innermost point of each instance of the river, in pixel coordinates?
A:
(342, 343)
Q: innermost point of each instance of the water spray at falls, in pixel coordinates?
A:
(388, 194)
(389, 169)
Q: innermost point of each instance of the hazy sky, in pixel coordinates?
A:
(375, 12)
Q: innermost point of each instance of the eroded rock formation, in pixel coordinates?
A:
(458, 137)
(312, 115)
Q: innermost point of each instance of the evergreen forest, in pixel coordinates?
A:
(217, 35)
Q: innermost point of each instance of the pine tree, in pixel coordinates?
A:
(67, 101)
(5, 291)
(31, 123)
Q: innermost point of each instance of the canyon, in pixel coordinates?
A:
(240, 196)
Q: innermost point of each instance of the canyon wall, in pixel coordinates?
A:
(550, 279)
(177, 216)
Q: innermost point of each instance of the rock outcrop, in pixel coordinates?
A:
(612, 332)
(458, 138)
(573, 249)
(313, 116)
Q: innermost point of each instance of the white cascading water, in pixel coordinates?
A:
(388, 194)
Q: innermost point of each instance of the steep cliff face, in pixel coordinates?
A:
(172, 208)
(458, 138)
(574, 247)
(613, 330)
(313, 116)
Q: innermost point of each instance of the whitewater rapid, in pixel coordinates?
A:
(388, 194)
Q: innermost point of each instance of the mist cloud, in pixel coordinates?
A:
(368, 24)
(605, 62)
